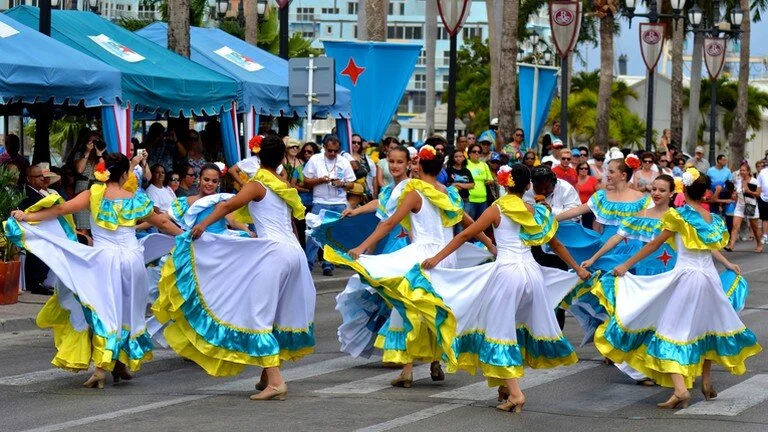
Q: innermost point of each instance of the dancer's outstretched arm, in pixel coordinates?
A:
(649, 248)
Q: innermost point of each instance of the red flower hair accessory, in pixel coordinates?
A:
(633, 161)
(427, 152)
(504, 176)
(100, 172)
(255, 143)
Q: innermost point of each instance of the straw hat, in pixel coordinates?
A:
(45, 167)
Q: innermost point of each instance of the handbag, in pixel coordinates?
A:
(749, 210)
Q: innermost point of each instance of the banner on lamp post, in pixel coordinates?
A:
(651, 43)
(565, 22)
(453, 13)
(714, 56)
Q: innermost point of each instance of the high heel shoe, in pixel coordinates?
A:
(271, 392)
(436, 372)
(676, 400)
(96, 380)
(515, 405)
(503, 394)
(403, 381)
(120, 372)
(708, 391)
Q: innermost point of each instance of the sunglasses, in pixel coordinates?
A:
(331, 150)
(191, 174)
(565, 158)
(519, 135)
(474, 152)
(357, 142)
(175, 179)
(663, 161)
(647, 161)
(293, 147)
(529, 158)
(583, 169)
(600, 159)
(583, 154)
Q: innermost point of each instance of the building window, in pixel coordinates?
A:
(404, 32)
(403, 107)
(446, 58)
(472, 32)
(305, 14)
(352, 9)
(354, 30)
(308, 34)
(444, 85)
(442, 33)
(422, 58)
(396, 8)
(419, 101)
(419, 81)
(329, 10)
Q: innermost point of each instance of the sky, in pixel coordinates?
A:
(628, 43)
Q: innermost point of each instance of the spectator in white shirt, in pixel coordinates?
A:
(762, 201)
(330, 177)
(159, 192)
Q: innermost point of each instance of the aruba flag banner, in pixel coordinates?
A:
(376, 73)
(537, 89)
(117, 122)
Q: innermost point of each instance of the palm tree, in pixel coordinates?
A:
(728, 98)
(508, 74)
(376, 19)
(606, 11)
(178, 26)
(251, 21)
(676, 102)
(586, 81)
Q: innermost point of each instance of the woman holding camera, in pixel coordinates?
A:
(88, 155)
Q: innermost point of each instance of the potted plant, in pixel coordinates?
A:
(10, 196)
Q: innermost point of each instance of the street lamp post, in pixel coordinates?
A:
(651, 44)
(565, 22)
(714, 53)
(283, 16)
(222, 6)
(42, 152)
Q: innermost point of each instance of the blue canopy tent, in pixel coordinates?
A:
(262, 77)
(36, 70)
(154, 80)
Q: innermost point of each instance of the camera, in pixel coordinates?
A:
(100, 145)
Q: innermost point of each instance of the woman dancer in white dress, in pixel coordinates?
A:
(504, 311)
(98, 312)
(672, 326)
(428, 212)
(265, 316)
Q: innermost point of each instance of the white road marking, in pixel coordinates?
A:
(298, 373)
(56, 373)
(374, 383)
(750, 311)
(293, 374)
(412, 418)
(533, 377)
(733, 400)
(116, 414)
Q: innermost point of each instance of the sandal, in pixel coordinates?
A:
(728, 248)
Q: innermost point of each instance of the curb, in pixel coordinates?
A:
(323, 285)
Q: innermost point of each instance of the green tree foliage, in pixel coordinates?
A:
(626, 127)
(473, 84)
(269, 36)
(727, 97)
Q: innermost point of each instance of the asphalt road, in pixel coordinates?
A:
(329, 391)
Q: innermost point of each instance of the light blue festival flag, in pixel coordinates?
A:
(376, 73)
(537, 89)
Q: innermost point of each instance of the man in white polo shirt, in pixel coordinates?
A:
(762, 201)
(330, 177)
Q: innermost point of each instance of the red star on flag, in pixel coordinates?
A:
(664, 257)
(403, 233)
(353, 71)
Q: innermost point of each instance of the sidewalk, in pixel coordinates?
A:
(21, 316)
